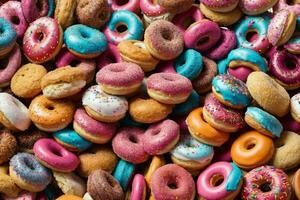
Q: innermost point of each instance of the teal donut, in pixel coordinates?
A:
(84, 40)
(51, 8)
(70, 138)
(243, 54)
(189, 64)
(184, 108)
(123, 173)
(8, 35)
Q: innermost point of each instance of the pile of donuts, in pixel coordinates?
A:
(149, 99)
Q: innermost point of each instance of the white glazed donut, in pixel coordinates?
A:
(14, 111)
(295, 107)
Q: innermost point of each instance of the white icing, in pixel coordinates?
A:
(62, 89)
(104, 104)
(150, 19)
(295, 105)
(15, 111)
(87, 196)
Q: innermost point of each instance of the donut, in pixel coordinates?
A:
(138, 188)
(42, 40)
(226, 43)
(135, 51)
(8, 146)
(69, 197)
(221, 180)
(296, 182)
(13, 113)
(253, 27)
(202, 35)
(173, 182)
(295, 112)
(13, 63)
(109, 56)
(191, 154)
(284, 5)
(123, 173)
(240, 72)
(8, 187)
(63, 82)
(286, 147)
(220, 117)
(33, 10)
(104, 107)
(123, 25)
(71, 140)
(84, 41)
(189, 64)
(231, 91)
(272, 97)
(8, 37)
(156, 162)
(128, 144)
(176, 6)
(54, 156)
(169, 88)
(28, 173)
(284, 66)
(266, 182)
(64, 12)
(281, 27)
(250, 7)
(289, 124)
(263, 122)
(133, 6)
(51, 115)
(12, 11)
(186, 107)
(93, 13)
(185, 19)
(293, 45)
(26, 140)
(120, 78)
(97, 157)
(202, 131)
(223, 19)
(202, 83)
(103, 186)
(252, 149)
(161, 137)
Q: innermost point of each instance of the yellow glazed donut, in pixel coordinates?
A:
(271, 96)
(64, 12)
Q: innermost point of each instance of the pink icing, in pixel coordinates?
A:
(150, 8)
(131, 5)
(219, 4)
(111, 55)
(114, 37)
(120, 74)
(202, 35)
(138, 187)
(282, 5)
(240, 72)
(255, 5)
(289, 124)
(55, 155)
(160, 136)
(32, 12)
(22, 196)
(12, 12)
(165, 66)
(94, 127)
(170, 84)
(192, 15)
(277, 26)
(128, 145)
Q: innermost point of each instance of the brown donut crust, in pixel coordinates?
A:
(176, 6)
(27, 139)
(8, 146)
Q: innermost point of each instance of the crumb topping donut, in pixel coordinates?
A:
(8, 146)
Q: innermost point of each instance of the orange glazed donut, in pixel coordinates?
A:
(251, 150)
(296, 183)
(202, 131)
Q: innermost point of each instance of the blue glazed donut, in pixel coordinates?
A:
(123, 173)
(184, 108)
(71, 140)
(126, 19)
(51, 8)
(8, 37)
(257, 25)
(28, 173)
(84, 41)
(263, 122)
(189, 64)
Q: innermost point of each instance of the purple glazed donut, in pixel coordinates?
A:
(111, 55)
(202, 35)
(224, 45)
(32, 12)
(128, 145)
(173, 182)
(161, 137)
(12, 12)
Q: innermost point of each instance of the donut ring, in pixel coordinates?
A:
(8, 37)
(8, 146)
(31, 11)
(185, 19)
(118, 5)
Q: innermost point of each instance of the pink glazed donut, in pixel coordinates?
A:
(161, 137)
(202, 35)
(111, 55)
(128, 145)
(150, 8)
(54, 156)
(131, 5)
(172, 181)
(283, 5)
(221, 180)
(32, 12)
(240, 73)
(165, 66)
(13, 64)
(138, 189)
(91, 129)
(12, 12)
(223, 6)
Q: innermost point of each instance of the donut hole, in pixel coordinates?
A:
(74, 63)
(39, 36)
(133, 139)
(121, 28)
(290, 63)
(265, 187)
(188, 21)
(250, 146)
(121, 2)
(29, 164)
(168, 78)
(56, 152)
(172, 183)
(167, 35)
(290, 2)
(251, 35)
(202, 41)
(155, 132)
(216, 180)
(4, 63)
(84, 34)
(15, 20)
(50, 107)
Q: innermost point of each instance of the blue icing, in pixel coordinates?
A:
(189, 64)
(266, 120)
(184, 108)
(72, 138)
(85, 40)
(8, 34)
(135, 28)
(234, 178)
(51, 8)
(123, 173)
(128, 121)
(222, 66)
